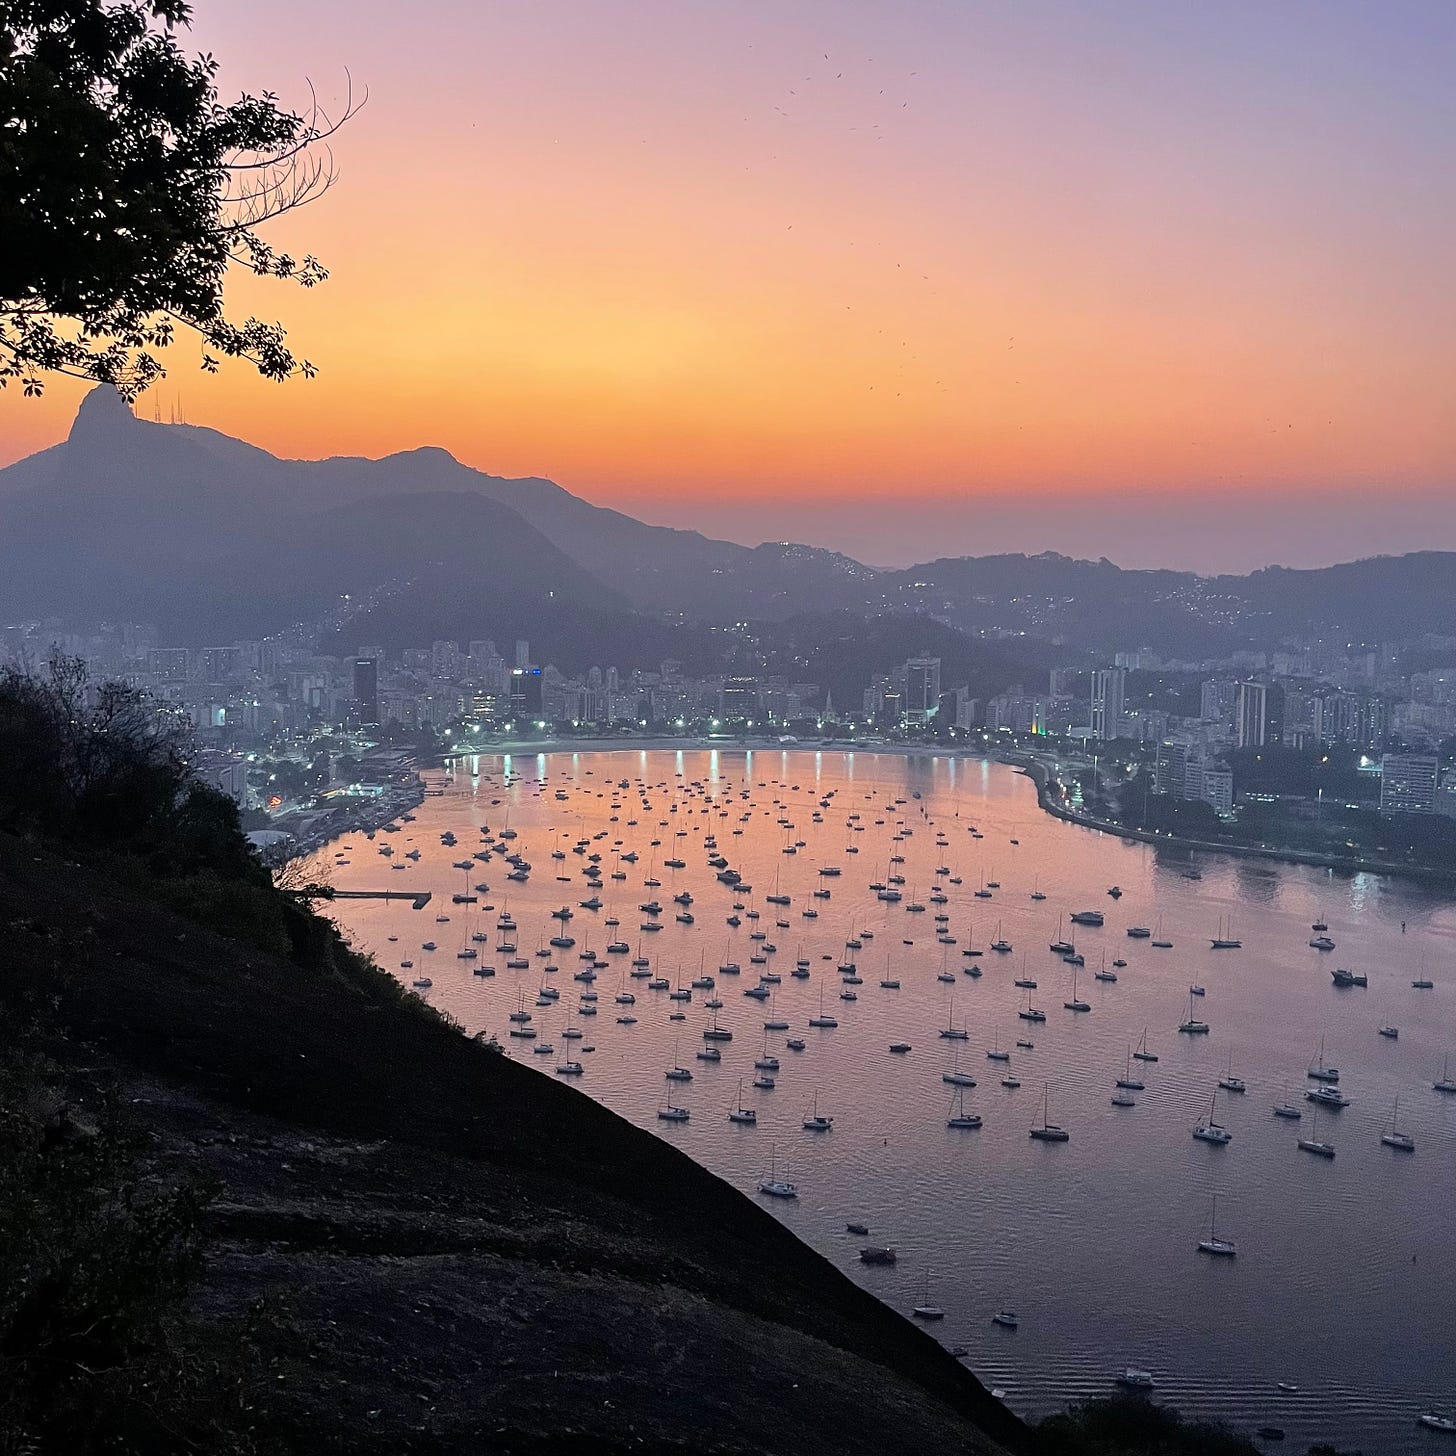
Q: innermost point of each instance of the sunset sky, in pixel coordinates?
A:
(907, 278)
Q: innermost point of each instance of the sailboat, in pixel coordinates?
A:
(960, 1118)
(955, 1076)
(1060, 946)
(1024, 981)
(823, 1019)
(740, 1113)
(1192, 1026)
(1127, 1081)
(1321, 1073)
(1049, 1132)
(1209, 1130)
(1030, 1012)
(1313, 1144)
(1220, 1248)
(764, 1062)
(817, 1121)
(944, 975)
(950, 1031)
(924, 1310)
(1392, 1137)
(1225, 939)
(1287, 1109)
(1445, 1083)
(677, 1072)
(775, 1022)
(1076, 1003)
(887, 981)
(1142, 1054)
(773, 1185)
(1228, 1081)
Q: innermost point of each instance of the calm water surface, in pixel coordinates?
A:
(1345, 1280)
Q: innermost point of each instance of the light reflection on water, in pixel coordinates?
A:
(1345, 1269)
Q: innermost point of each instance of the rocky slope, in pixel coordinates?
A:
(457, 1253)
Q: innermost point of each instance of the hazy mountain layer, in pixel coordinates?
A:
(214, 538)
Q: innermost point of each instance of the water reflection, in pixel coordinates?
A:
(1341, 1284)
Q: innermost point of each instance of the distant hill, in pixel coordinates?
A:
(213, 538)
(1097, 605)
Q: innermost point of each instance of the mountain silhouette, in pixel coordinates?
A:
(212, 538)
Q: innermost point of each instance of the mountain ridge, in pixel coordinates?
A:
(128, 516)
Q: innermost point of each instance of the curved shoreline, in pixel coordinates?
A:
(1027, 765)
(1036, 770)
(541, 748)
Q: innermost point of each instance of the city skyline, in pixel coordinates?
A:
(959, 271)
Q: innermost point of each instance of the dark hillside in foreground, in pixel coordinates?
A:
(465, 1254)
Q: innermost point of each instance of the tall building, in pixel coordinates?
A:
(523, 652)
(366, 689)
(1109, 688)
(1304, 722)
(738, 702)
(445, 659)
(1251, 715)
(1217, 701)
(1171, 763)
(1183, 771)
(1216, 787)
(526, 691)
(1408, 783)
(922, 689)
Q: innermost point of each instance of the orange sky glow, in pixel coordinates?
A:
(848, 251)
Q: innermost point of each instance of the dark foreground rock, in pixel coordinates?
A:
(454, 1253)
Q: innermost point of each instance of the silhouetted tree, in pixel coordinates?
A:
(103, 764)
(127, 189)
